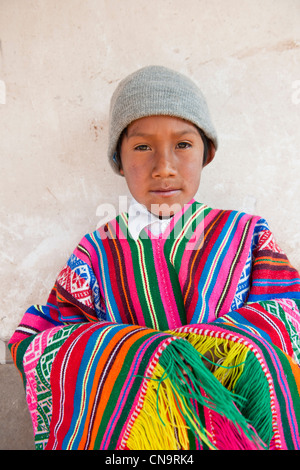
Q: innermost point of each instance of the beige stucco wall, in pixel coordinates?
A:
(60, 61)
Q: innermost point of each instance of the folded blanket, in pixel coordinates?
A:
(104, 385)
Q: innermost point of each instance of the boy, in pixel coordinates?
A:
(173, 326)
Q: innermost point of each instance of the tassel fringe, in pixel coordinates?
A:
(180, 384)
(240, 372)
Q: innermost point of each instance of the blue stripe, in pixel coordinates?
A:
(109, 334)
(269, 282)
(241, 322)
(132, 376)
(209, 263)
(281, 295)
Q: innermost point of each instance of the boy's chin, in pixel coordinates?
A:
(164, 210)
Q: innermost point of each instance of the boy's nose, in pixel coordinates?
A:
(164, 164)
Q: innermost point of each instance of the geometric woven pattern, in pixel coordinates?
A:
(287, 311)
(44, 394)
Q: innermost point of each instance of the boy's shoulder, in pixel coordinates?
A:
(233, 213)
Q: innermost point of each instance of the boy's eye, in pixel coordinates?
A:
(183, 145)
(142, 147)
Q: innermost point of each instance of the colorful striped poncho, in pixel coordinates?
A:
(114, 360)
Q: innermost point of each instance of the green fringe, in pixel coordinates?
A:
(253, 386)
(219, 399)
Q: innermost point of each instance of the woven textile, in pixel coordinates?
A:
(114, 360)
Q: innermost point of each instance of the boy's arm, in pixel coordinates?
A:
(272, 275)
(272, 309)
(75, 298)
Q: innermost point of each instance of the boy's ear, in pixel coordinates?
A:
(210, 153)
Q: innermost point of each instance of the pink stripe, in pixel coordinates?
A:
(165, 285)
(239, 267)
(125, 392)
(126, 251)
(99, 340)
(193, 245)
(140, 397)
(30, 320)
(213, 297)
(177, 217)
(127, 254)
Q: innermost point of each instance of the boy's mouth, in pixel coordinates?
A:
(165, 192)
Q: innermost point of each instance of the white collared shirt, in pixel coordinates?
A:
(139, 218)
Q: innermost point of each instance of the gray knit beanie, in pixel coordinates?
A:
(156, 90)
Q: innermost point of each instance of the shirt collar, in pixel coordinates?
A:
(139, 218)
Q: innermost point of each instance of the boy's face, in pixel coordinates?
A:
(162, 162)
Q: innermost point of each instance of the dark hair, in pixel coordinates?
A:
(117, 156)
(206, 144)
